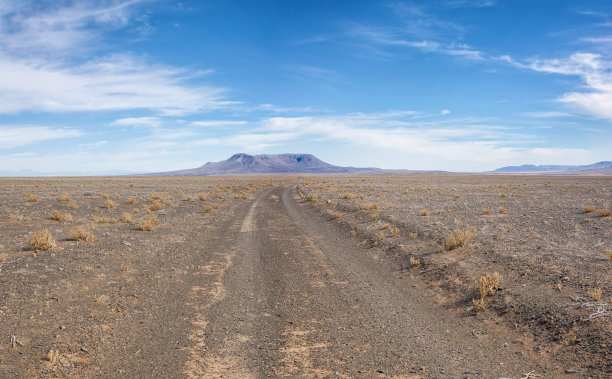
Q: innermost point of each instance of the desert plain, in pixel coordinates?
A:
(380, 275)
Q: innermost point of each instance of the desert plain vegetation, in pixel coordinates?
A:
(99, 276)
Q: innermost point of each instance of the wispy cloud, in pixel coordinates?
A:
(150, 122)
(219, 123)
(41, 59)
(596, 72)
(12, 136)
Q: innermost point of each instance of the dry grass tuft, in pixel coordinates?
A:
(608, 254)
(487, 285)
(595, 294)
(203, 196)
(82, 234)
(208, 209)
(486, 211)
(313, 198)
(588, 209)
(149, 223)
(132, 201)
(31, 198)
(188, 198)
(424, 213)
(154, 196)
(380, 236)
(354, 233)
(109, 204)
(459, 238)
(415, 262)
(65, 197)
(3, 257)
(334, 214)
(61, 217)
(126, 217)
(502, 210)
(42, 240)
(394, 231)
(373, 217)
(604, 212)
(156, 206)
(348, 196)
(413, 236)
(368, 207)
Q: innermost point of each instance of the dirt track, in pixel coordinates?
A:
(268, 289)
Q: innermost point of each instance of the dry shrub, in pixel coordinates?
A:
(3, 257)
(82, 234)
(459, 238)
(149, 223)
(487, 285)
(313, 198)
(61, 217)
(415, 262)
(608, 254)
(15, 218)
(153, 196)
(373, 217)
(595, 294)
(100, 220)
(242, 195)
(380, 236)
(334, 214)
(65, 197)
(188, 198)
(42, 240)
(502, 210)
(423, 212)
(31, 198)
(486, 211)
(368, 207)
(394, 231)
(109, 204)
(588, 209)
(126, 218)
(354, 233)
(604, 212)
(73, 205)
(208, 209)
(156, 206)
(413, 236)
(348, 196)
(105, 195)
(132, 201)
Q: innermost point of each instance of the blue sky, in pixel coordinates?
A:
(92, 87)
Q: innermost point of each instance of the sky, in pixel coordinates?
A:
(134, 86)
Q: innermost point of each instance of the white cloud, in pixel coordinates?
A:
(444, 112)
(596, 72)
(543, 114)
(220, 123)
(12, 136)
(48, 64)
(138, 121)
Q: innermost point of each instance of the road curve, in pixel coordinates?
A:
(286, 293)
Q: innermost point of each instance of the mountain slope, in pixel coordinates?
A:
(240, 164)
(605, 165)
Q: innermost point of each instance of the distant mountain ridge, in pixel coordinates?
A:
(604, 165)
(241, 163)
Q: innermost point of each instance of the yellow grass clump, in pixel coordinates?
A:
(604, 212)
(373, 217)
(459, 238)
(423, 212)
(65, 197)
(149, 223)
(595, 294)
(126, 217)
(608, 254)
(31, 198)
(334, 214)
(487, 285)
(109, 204)
(588, 209)
(42, 240)
(132, 201)
(156, 206)
(415, 262)
(61, 217)
(82, 234)
(203, 196)
(368, 207)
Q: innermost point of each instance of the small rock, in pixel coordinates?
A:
(380, 371)
(570, 371)
(84, 350)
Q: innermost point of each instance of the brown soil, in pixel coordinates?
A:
(255, 281)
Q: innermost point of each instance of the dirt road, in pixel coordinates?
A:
(270, 289)
(287, 295)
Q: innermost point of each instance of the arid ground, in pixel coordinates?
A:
(412, 276)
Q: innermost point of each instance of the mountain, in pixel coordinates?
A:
(240, 164)
(604, 167)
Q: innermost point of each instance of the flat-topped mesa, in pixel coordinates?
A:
(242, 164)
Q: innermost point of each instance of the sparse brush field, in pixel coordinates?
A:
(89, 267)
(549, 238)
(81, 257)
